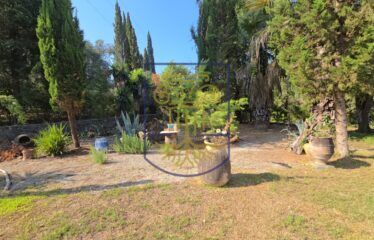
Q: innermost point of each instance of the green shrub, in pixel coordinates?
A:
(130, 144)
(211, 111)
(12, 105)
(98, 156)
(52, 140)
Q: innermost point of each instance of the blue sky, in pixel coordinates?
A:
(169, 22)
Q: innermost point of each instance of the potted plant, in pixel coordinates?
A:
(216, 154)
(321, 147)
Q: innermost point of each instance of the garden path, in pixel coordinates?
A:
(257, 151)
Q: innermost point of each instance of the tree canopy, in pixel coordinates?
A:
(326, 48)
(62, 55)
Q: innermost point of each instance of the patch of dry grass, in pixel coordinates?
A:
(289, 204)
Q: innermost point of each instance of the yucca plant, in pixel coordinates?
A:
(129, 126)
(52, 140)
(130, 144)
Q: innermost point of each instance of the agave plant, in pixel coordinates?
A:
(300, 129)
(129, 127)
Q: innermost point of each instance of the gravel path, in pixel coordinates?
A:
(258, 151)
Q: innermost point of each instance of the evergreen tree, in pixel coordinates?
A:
(62, 55)
(134, 55)
(19, 55)
(126, 48)
(118, 36)
(217, 39)
(151, 58)
(326, 48)
(146, 60)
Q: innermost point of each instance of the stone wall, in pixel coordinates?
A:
(104, 126)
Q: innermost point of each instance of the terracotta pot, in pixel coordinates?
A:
(27, 154)
(321, 149)
(216, 154)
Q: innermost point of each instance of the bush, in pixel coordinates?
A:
(130, 144)
(52, 140)
(12, 105)
(98, 156)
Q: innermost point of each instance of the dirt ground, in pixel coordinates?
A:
(273, 194)
(257, 151)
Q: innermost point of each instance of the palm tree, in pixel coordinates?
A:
(261, 74)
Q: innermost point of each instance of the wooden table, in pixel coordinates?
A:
(171, 137)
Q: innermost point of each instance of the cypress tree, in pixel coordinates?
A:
(135, 58)
(126, 48)
(146, 60)
(150, 53)
(217, 40)
(118, 36)
(62, 55)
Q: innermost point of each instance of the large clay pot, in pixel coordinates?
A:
(216, 154)
(321, 149)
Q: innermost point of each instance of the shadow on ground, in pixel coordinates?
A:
(349, 163)
(362, 156)
(87, 188)
(251, 179)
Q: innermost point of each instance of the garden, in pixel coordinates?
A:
(267, 136)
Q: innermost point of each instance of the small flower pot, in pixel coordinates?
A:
(27, 154)
(101, 144)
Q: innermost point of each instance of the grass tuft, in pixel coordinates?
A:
(98, 156)
(10, 205)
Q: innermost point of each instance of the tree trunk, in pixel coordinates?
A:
(341, 125)
(363, 105)
(73, 127)
(261, 118)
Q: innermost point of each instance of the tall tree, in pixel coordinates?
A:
(18, 43)
(19, 54)
(62, 55)
(118, 36)
(126, 47)
(146, 60)
(135, 60)
(260, 74)
(323, 46)
(364, 104)
(217, 40)
(98, 99)
(151, 58)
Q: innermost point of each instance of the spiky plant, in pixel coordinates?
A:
(130, 127)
